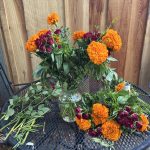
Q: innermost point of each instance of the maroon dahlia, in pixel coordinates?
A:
(44, 42)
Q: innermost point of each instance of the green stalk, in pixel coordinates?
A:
(20, 127)
(12, 129)
(13, 121)
(27, 133)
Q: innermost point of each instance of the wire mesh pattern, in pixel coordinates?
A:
(60, 135)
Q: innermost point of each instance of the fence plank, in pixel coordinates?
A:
(144, 79)
(4, 55)
(77, 14)
(97, 14)
(36, 12)
(135, 40)
(15, 35)
(121, 11)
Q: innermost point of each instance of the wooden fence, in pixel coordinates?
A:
(19, 19)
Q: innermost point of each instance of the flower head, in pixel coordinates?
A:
(99, 113)
(111, 130)
(83, 124)
(97, 52)
(78, 35)
(112, 39)
(30, 44)
(52, 18)
(145, 123)
(120, 86)
(44, 42)
(58, 31)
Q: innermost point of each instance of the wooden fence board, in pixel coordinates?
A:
(121, 11)
(77, 14)
(15, 34)
(97, 14)
(135, 40)
(4, 55)
(144, 80)
(36, 12)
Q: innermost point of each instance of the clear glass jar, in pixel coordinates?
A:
(68, 101)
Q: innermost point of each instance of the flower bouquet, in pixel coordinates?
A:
(69, 62)
(66, 61)
(110, 113)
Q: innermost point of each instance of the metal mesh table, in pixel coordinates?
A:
(59, 135)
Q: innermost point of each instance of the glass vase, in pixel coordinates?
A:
(68, 101)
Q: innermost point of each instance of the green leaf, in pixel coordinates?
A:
(30, 108)
(53, 58)
(56, 92)
(45, 110)
(11, 101)
(41, 106)
(116, 75)
(111, 58)
(58, 61)
(39, 87)
(66, 67)
(109, 77)
(34, 113)
(41, 113)
(122, 99)
(103, 142)
(10, 112)
(45, 92)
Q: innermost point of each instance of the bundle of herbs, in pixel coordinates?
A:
(24, 111)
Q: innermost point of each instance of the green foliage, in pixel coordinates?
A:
(23, 112)
(115, 101)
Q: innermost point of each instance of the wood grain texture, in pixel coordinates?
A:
(136, 35)
(36, 12)
(97, 14)
(15, 35)
(22, 18)
(144, 80)
(120, 10)
(4, 55)
(77, 14)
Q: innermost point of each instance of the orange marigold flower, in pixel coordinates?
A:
(112, 39)
(97, 52)
(99, 113)
(111, 130)
(30, 44)
(41, 32)
(145, 123)
(120, 86)
(78, 35)
(52, 18)
(83, 124)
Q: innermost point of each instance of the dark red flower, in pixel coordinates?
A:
(59, 46)
(134, 117)
(78, 110)
(58, 31)
(99, 130)
(87, 35)
(128, 109)
(85, 116)
(79, 115)
(92, 133)
(138, 125)
(50, 41)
